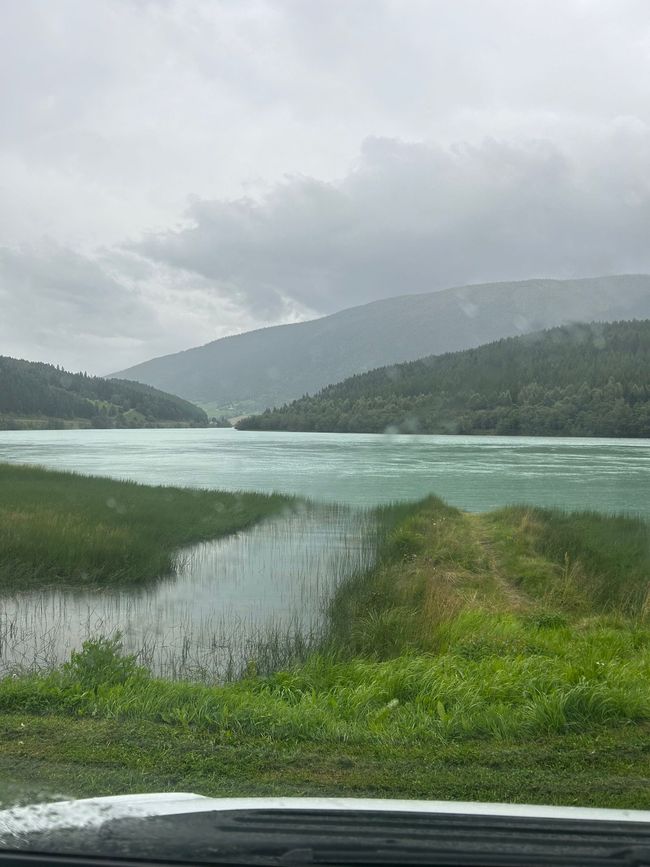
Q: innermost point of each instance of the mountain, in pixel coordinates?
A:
(575, 380)
(248, 372)
(33, 394)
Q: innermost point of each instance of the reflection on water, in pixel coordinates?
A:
(252, 594)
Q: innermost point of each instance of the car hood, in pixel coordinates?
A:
(94, 812)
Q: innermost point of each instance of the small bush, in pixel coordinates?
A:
(101, 662)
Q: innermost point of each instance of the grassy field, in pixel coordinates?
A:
(503, 656)
(64, 528)
(45, 757)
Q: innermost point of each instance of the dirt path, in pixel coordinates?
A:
(514, 598)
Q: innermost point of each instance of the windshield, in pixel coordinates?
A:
(325, 401)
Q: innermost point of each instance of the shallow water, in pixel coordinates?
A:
(231, 600)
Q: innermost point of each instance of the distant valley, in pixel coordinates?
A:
(246, 373)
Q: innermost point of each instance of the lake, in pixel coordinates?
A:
(474, 473)
(258, 590)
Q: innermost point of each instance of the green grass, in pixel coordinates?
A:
(503, 656)
(440, 564)
(603, 560)
(499, 677)
(420, 699)
(56, 756)
(561, 718)
(431, 566)
(64, 528)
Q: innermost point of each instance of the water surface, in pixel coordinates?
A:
(474, 473)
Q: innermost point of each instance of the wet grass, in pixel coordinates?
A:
(499, 679)
(495, 657)
(56, 756)
(67, 529)
(601, 561)
(512, 711)
(531, 566)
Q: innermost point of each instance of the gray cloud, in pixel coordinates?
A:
(117, 113)
(418, 217)
(103, 312)
(64, 306)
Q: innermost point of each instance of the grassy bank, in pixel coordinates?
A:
(446, 576)
(564, 719)
(497, 682)
(65, 528)
(20, 422)
(503, 656)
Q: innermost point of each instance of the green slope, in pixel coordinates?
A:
(581, 380)
(249, 372)
(33, 394)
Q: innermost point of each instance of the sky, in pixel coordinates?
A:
(174, 171)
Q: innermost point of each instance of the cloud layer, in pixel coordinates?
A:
(419, 217)
(104, 312)
(174, 171)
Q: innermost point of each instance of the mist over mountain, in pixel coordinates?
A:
(249, 372)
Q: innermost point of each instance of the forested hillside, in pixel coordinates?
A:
(249, 372)
(33, 394)
(582, 380)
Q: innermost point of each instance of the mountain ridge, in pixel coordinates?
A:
(244, 373)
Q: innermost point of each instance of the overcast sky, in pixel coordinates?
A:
(172, 172)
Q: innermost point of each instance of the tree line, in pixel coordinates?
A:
(36, 390)
(579, 380)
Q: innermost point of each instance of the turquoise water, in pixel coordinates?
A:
(473, 473)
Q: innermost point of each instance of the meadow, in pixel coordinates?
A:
(496, 656)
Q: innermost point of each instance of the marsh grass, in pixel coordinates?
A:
(67, 529)
(430, 566)
(505, 627)
(508, 682)
(580, 561)
(220, 651)
(253, 598)
(438, 566)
